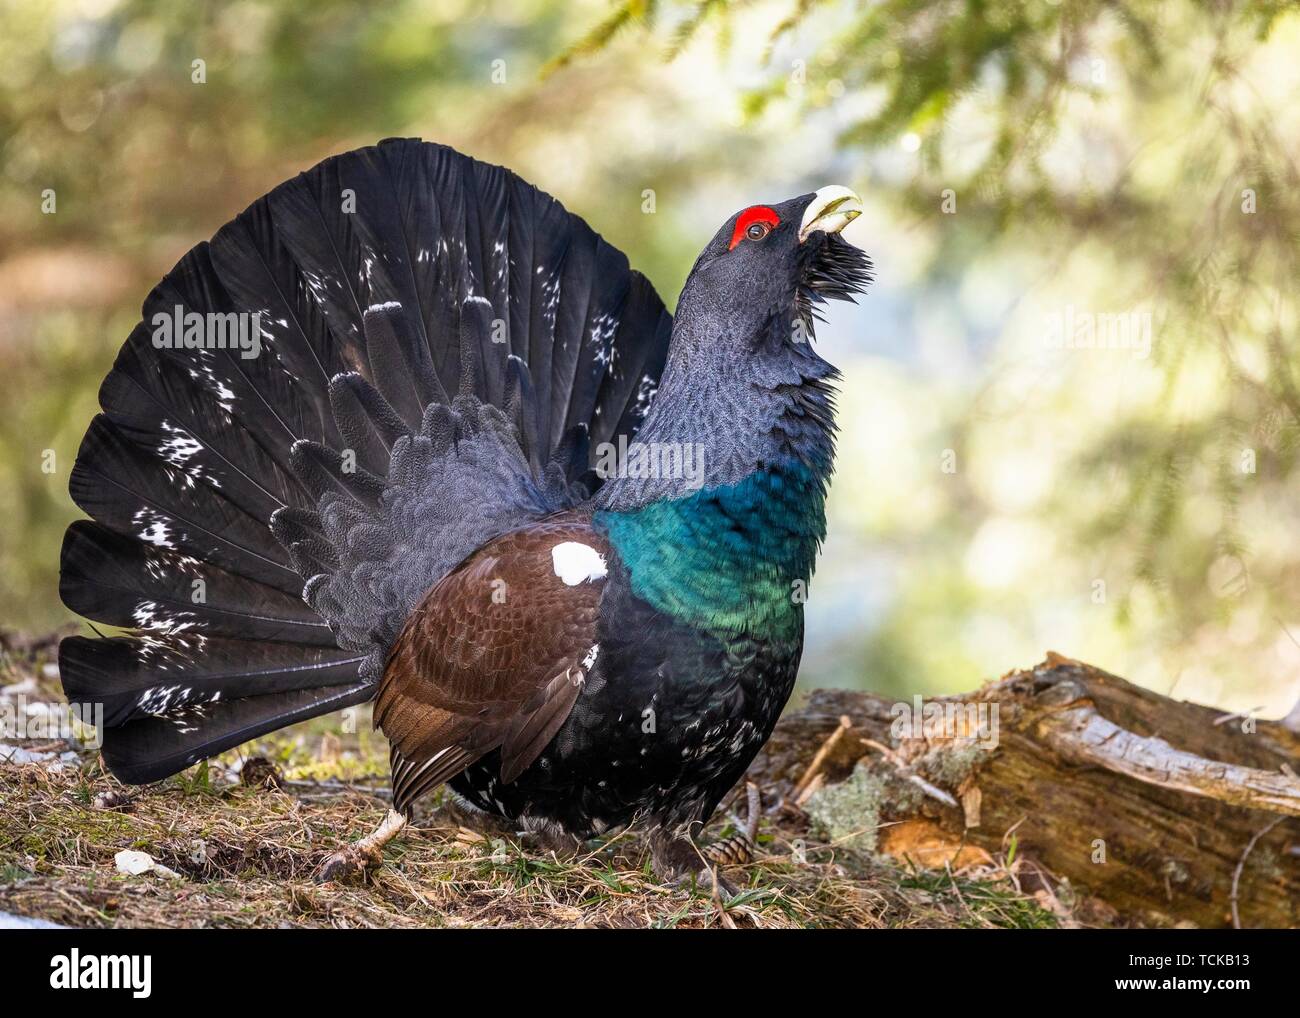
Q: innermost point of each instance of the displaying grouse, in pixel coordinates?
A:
(407, 431)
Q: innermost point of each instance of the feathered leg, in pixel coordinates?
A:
(366, 854)
(677, 859)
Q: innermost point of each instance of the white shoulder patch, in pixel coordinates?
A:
(577, 563)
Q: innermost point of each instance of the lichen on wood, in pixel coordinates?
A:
(1157, 808)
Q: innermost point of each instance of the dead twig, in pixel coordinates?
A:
(819, 759)
(1241, 865)
(906, 772)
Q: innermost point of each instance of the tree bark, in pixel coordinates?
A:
(1167, 812)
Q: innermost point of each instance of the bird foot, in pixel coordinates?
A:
(680, 864)
(547, 839)
(349, 865)
(707, 878)
(352, 863)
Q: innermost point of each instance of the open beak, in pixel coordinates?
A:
(831, 209)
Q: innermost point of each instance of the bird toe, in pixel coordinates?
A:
(348, 865)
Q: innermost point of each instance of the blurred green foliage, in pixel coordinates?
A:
(1116, 157)
(99, 104)
(1024, 164)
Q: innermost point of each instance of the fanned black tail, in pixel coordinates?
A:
(439, 343)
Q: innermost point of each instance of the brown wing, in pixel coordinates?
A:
(494, 657)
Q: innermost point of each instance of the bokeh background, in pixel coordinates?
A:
(999, 493)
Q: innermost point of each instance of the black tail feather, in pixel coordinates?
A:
(133, 491)
(367, 416)
(154, 747)
(399, 362)
(395, 288)
(134, 679)
(326, 470)
(127, 583)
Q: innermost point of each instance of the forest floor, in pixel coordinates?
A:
(237, 842)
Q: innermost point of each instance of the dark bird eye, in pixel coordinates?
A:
(757, 231)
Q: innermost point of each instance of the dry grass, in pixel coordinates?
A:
(246, 856)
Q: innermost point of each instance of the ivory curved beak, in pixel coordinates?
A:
(831, 209)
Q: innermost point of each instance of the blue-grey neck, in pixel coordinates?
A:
(736, 404)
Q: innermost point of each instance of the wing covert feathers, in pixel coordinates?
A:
(493, 659)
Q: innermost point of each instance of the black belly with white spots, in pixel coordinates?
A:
(668, 721)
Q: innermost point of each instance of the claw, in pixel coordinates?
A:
(707, 877)
(349, 865)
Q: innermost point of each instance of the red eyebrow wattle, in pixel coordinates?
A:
(753, 214)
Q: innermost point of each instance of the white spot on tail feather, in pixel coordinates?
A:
(577, 563)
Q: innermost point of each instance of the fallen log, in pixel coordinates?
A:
(1167, 812)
